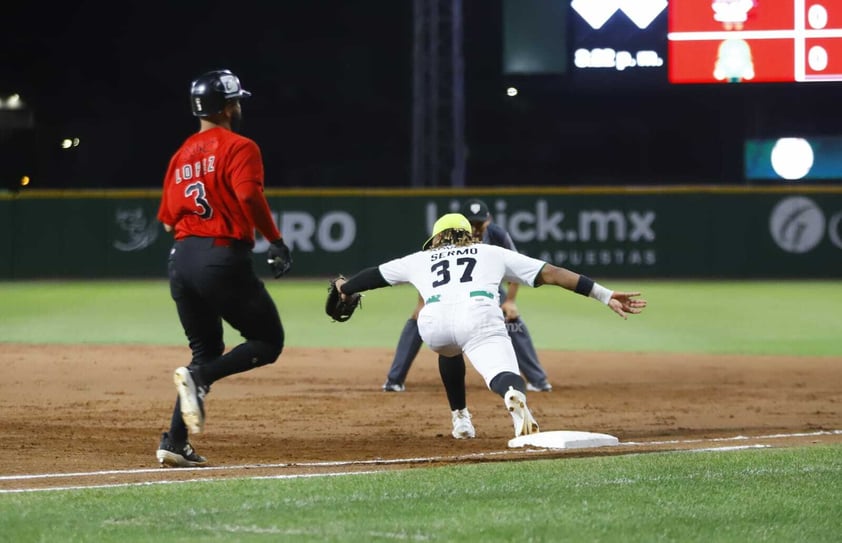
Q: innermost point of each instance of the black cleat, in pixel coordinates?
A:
(178, 456)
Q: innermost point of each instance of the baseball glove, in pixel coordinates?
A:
(338, 309)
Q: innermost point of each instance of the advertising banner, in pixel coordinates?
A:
(657, 233)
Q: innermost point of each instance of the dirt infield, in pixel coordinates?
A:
(81, 408)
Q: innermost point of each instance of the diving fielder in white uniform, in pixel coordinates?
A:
(459, 281)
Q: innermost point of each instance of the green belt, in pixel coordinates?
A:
(437, 297)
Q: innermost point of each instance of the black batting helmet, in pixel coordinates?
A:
(210, 91)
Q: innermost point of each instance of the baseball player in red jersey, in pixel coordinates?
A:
(212, 201)
(459, 280)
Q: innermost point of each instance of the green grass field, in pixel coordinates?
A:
(786, 495)
(751, 495)
(781, 317)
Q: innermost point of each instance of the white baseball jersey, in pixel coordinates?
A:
(460, 287)
(452, 273)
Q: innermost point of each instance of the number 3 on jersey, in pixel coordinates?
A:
(442, 269)
(196, 191)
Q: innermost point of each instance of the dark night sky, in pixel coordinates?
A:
(332, 98)
(331, 83)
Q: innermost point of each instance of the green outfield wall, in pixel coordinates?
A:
(680, 232)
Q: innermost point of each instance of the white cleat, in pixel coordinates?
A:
(521, 416)
(463, 428)
(191, 400)
(543, 386)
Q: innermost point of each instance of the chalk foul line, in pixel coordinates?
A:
(346, 463)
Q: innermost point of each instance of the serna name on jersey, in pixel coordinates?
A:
(438, 255)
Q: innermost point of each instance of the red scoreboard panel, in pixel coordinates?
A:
(754, 41)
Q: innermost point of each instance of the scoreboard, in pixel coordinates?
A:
(754, 41)
(627, 44)
(618, 44)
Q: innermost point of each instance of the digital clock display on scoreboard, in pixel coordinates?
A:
(618, 43)
(754, 41)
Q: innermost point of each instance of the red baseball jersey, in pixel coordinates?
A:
(201, 185)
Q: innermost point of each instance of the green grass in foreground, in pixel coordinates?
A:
(739, 317)
(756, 495)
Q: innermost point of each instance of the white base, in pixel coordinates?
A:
(560, 439)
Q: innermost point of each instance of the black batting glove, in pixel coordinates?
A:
(279, 257)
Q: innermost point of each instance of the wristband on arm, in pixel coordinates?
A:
(588, 287)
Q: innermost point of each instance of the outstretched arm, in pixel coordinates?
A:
(620, 303)
(367, 279)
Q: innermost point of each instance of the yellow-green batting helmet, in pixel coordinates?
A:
(454, 221)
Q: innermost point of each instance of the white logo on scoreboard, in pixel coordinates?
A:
(597, 12)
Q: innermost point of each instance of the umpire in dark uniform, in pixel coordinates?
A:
(410, 341)
(527, 359)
